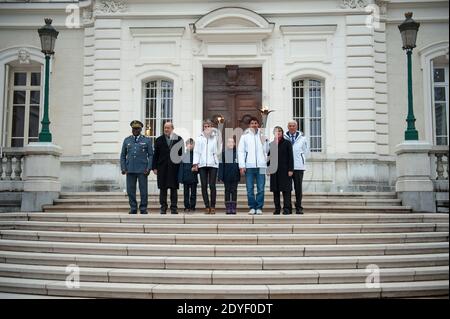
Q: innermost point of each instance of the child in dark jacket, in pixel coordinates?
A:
(229, 174)
(188, 177)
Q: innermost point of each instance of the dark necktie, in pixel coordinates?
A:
(293, 138)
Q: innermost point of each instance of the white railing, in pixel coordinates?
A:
(439, 167)
(11, 164)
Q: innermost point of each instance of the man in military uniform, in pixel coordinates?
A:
(136, 162)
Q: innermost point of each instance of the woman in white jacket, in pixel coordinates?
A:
(206, 161)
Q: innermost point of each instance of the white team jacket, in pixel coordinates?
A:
(252, 152)
(207, 150)
(301, 150)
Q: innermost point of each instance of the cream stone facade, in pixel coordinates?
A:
(109, 54)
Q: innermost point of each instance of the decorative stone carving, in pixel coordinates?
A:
(266, 47)
(110, 6)
(198, 48)
(354, 4)
(23, 56)
(87, 16)
(382, 5)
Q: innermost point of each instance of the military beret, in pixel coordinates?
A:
(136, 124)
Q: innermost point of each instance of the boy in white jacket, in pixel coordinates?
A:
(301, 150)
(252, 155)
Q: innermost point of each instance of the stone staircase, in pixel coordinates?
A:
(341, 242)
(10, 201)
(312, 202)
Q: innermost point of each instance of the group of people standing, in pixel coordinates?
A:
(176, 162)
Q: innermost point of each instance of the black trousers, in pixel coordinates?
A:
(190, 195)
(208, 176)
(173, 199)
(231, 191)
(287, 202)
(298, 180)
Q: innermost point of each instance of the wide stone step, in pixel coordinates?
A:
(340, 218)
(241, 202)
(135, 290)
(223, 250)
(224, 277)
(241, 194)
(225, 239)
(6, 295)
(154, 208)
(226, 228)
(225, 263)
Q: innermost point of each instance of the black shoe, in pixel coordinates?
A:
(276, 213)
(174, 212)
(287, 213)
(299, 212)
(132, 213)
(162, 212)
(144, 212)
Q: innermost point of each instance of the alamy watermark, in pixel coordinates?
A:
(373, 278)
(73, 276)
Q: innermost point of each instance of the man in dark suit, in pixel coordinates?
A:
(136, 161)
(169, 149)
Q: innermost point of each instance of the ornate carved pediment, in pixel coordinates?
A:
(110, 6)
(230, 23)
(354, 4)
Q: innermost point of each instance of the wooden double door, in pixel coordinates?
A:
(232, 92)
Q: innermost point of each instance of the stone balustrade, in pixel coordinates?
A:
(439, 172)
(11, 169)
(11, 164)
(439, 162)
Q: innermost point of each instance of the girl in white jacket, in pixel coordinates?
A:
(206, 161)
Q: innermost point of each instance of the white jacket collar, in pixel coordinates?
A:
(287, 135)
(214, 133)
(249, 131)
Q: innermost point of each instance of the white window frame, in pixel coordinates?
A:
(159, 118)
(27, 88)
(433, 86)
(427, 54)
(307, 116)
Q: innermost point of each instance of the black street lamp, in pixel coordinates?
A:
(408, 30)
(48, 36)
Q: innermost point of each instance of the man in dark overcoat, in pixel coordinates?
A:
(169, 149)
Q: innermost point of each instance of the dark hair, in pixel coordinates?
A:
(253, 119)
(278, 128)
(190, 141)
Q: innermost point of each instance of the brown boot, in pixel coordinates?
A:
(207, 211)
(212, 211)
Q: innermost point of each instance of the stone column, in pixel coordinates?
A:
(40, 176)
(414, 185)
